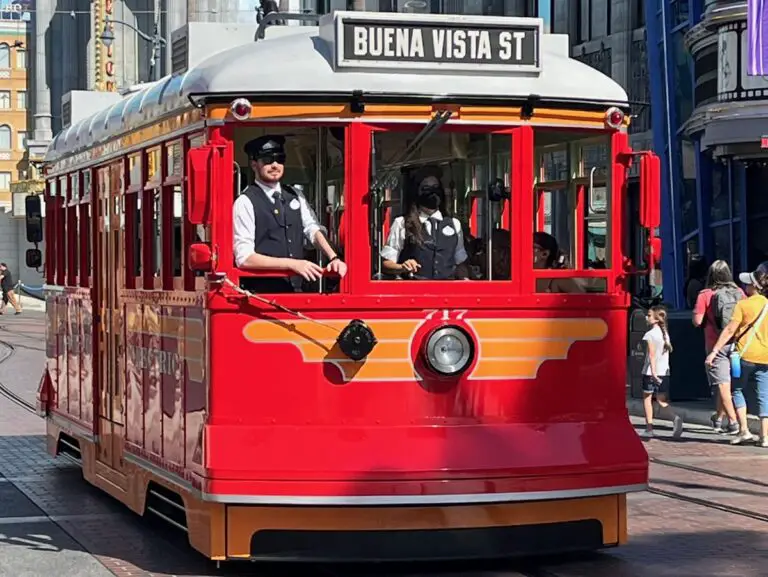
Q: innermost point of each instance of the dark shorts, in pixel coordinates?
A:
(651, 386)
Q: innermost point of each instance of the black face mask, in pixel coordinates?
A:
(429, 197)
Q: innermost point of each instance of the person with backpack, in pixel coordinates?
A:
(749, 356)
(713, 311)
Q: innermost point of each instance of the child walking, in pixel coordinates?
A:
(656, 371)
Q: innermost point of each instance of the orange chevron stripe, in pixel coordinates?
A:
(270, 331)
(387, 350)
(508, 348)
(574, 329)
(506, 369)
(524, 349)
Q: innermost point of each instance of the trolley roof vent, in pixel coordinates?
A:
(197, 41)
(79, 104)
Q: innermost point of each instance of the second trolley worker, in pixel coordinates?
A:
(271, 221)
(426, 243)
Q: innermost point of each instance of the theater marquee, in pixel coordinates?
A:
(435, 42)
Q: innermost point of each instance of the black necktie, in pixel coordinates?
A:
(434, 223)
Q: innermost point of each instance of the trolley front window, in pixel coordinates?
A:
(432, 215)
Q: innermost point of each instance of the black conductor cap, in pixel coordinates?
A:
(266, 145)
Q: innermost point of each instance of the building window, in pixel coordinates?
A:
(21, 99)
(21, 58)
(721, 240)
(638, 13)
(639, 86)
(559, 15)
(5, 56)
(5, 137)
(584, 20)
(5, 99)
(5, 180)
(757, 209)
(21, 140)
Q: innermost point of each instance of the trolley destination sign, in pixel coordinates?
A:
(436, 42)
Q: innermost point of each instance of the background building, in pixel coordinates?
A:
(14, 120)
(712, 127)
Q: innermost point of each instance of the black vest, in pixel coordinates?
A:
(278, 233)
(437, 255)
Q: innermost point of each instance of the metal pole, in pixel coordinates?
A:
(489, 209)
(156, 43)
(670, 171)
(320, 188)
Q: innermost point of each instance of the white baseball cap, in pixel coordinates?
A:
(748, 278)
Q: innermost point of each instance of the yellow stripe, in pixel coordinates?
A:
(571, 329)
(511, 349)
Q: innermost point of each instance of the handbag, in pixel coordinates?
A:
(735, 356)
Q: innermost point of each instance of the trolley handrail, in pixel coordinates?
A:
(276, 273)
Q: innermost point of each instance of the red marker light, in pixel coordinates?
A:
(614, 117)
(241, 109)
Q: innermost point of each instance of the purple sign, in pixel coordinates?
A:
(757, 37)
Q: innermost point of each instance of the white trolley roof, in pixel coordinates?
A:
(376, 55)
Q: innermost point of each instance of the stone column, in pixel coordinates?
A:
(42, 111)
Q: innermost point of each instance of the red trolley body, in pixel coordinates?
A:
(243, 420)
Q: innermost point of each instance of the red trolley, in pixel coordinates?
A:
(332, 424)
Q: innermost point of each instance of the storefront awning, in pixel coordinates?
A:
(734, 131)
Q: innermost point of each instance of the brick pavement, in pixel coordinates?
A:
(31, 543)
(53, 522)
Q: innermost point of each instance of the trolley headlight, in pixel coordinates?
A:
(449, 350)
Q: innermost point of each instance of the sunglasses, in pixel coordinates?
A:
(272, 158)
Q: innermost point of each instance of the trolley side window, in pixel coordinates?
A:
(61, 265)
(51, 233)
(86, 223)
(314, 167)
(571, 211)
(73, 231)
(134, 223)
(461, 233)
(152, 214)
(173, 206)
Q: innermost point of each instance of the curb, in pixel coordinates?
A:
(693, 416)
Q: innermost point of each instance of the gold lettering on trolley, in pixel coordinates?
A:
(146, 358)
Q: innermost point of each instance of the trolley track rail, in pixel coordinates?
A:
(8, 350)
(24, 335)
(705, 471)
(708, 502)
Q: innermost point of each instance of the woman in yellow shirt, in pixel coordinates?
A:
(749, 326)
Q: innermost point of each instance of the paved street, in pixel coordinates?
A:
(53, 523)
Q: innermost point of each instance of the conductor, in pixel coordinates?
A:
(271, 221)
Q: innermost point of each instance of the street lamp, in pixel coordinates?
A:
(108, 38)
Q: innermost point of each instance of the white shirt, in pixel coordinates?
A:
(244, 221)
(396, 241)
(656, 336)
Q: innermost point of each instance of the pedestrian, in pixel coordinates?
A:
(6, 284)
(656, 371)
(713, 311)
(696, 281)
(749, 356)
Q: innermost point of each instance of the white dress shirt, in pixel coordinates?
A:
(244, 221)
(396, 241)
